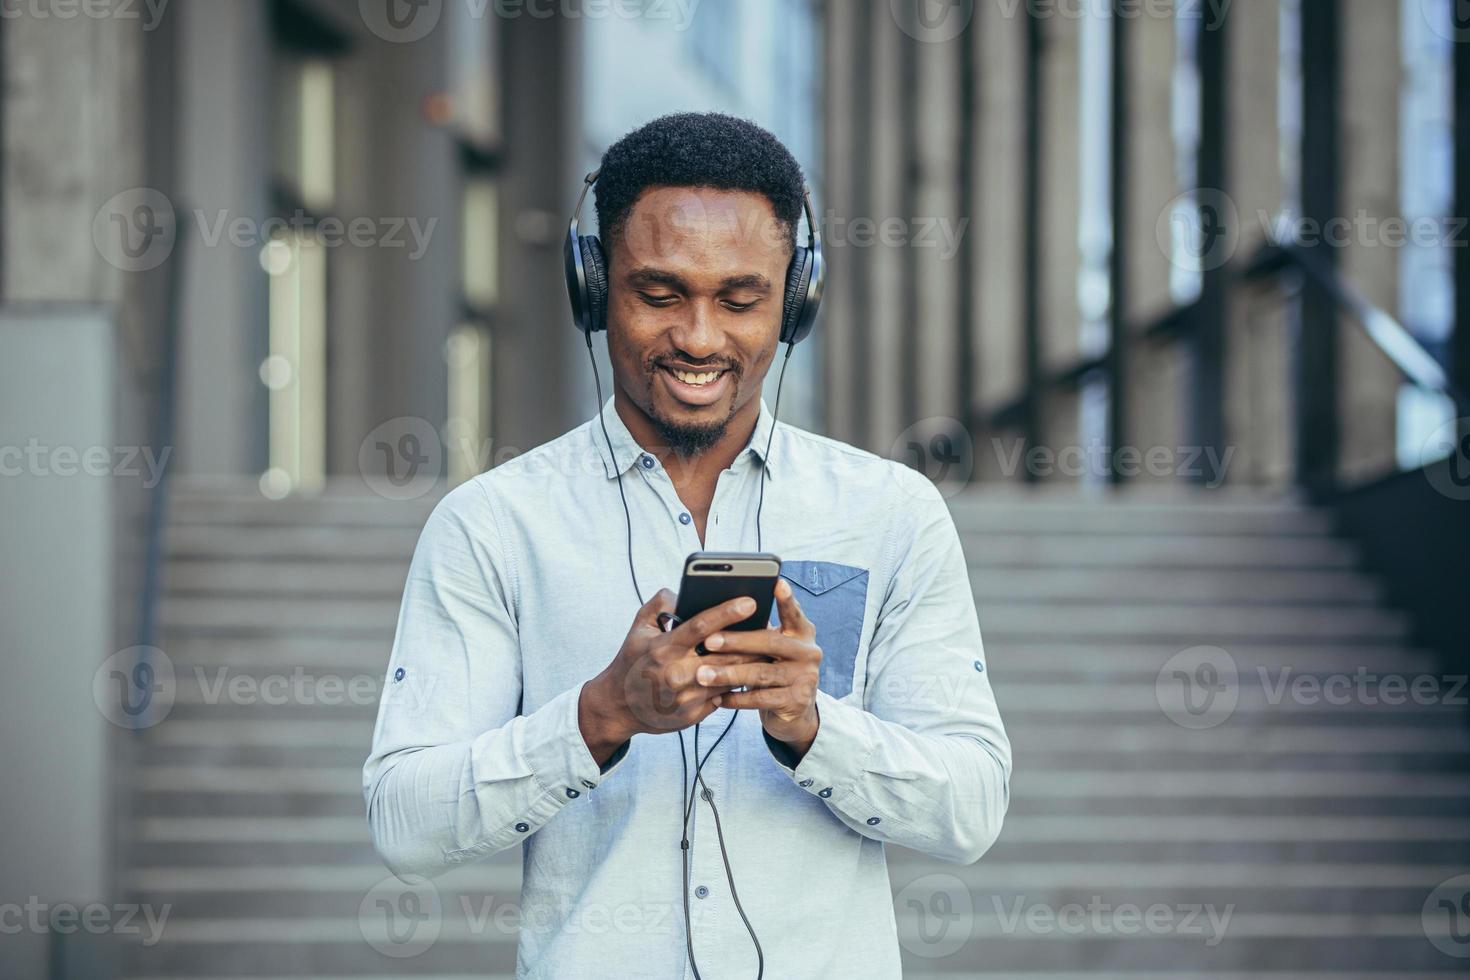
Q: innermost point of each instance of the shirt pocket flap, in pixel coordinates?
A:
(818, 577)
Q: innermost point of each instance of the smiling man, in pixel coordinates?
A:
(532, 699)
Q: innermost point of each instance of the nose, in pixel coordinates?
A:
(697, 334)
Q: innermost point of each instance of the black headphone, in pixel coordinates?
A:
(586, 269)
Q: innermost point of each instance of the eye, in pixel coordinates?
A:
(739, 307)
(663, 299)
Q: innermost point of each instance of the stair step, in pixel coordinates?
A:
(1223, 585)
(1190, 551)
(381, 580)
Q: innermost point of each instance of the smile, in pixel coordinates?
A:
(695, 388)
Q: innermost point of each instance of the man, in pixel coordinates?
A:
(531, 701)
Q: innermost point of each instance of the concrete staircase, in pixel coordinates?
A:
(1289, 835)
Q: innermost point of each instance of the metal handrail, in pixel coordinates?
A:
(1391, 337)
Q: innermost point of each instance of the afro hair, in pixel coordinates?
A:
(697, 149)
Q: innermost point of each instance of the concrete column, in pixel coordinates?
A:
(996, 175)
(934, 227)
(890, 325)
(1367, 383)
(1061, 256)
(223, 103)
(1258, 382)
(1156, 410)
(839, 309)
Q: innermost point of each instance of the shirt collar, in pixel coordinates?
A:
(626, 450)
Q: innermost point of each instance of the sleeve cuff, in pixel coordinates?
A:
(553, 748)
(834, 762)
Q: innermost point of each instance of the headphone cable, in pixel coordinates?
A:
(687, 802)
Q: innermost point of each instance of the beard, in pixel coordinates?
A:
(690, 438)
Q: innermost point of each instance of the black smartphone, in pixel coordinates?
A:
(712, 577)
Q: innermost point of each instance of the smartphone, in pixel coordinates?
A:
(712, 577)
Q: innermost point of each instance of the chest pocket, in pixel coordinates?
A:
(834, 597)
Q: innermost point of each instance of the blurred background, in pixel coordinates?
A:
(1169, 297)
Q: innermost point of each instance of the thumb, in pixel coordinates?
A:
(663, 600)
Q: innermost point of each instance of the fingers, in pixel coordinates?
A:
(766, 643)
(725, 614)
(792, 619)
(661, 601)
(681, 672)
(750, 675)
(760, 697)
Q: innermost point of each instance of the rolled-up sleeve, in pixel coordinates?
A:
(456, 773)
(926, 763)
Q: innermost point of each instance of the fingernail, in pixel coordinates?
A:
(746, 605)
(705, 675)
(783, 588)
(714, 643)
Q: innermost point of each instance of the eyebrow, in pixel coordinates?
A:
(648, 276)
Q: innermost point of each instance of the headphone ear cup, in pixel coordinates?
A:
(798, 277)
(595, 268)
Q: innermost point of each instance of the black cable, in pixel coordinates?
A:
(709, 797)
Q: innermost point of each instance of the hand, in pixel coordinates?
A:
(785, 688)
(649, 686)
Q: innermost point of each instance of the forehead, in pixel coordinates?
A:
(716, 230)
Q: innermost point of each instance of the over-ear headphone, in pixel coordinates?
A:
(586, 267)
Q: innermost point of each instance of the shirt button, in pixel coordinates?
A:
(701, 892)
(872, 821)
(572, 794)
(398, 674)
(685, 518)
(805, 782)
(647, 462)
(523, 827)
(824, 793)
(979, 666)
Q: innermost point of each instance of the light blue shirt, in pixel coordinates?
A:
(519, 592)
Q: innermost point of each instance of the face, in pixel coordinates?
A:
(696, 283)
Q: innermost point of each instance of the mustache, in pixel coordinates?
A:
(694, 363)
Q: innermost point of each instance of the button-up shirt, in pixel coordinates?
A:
(519, 592)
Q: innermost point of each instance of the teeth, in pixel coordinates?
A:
(690, 378)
